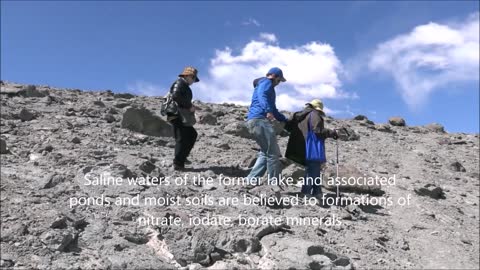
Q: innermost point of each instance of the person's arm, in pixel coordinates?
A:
(320, 130)
(263, 92)
(267, 100)
(178, 91)
(279, 116)
(290, 124)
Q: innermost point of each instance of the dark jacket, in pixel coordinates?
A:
(297, 125)
(263, 101)
(181, 93)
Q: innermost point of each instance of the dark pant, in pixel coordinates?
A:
(185, 137)
(312, 185)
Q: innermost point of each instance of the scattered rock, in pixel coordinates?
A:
(250, 245)
(48, 148)
(99, 103)
(348, 134)
(434, 127)
(348, 171)
(431, 191)
(59, 223)
(223, 146)
(144, 121)
(13, 232)
(360, 117)
(76, 140)
(397, 121)
(207, 119)
(238, 129)
(25, 115)
(124, 95)
(147, 166)
(45, 170)
(112, 111)
(32, 91)
(383, 128)
(121, 105)
(3, 147)
(59, 240)
(52, 180)
(109, 118)
(457, 167)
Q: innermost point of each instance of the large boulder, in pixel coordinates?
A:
(347, 134)
(435, 127)
(397, 121)
(32, 91)
(123, 95)
(26, 115)
(23, 91)
(144, 121)
(360, 117)
(430, 190)
(238, 128)
(207, 119)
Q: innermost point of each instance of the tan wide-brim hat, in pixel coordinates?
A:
(190, 71)
(317, 104)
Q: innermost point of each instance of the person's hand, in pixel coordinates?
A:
(192, 109)
(270, 116)
(335, 134)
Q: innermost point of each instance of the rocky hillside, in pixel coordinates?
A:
(67, 158)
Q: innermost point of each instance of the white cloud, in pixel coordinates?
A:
(251, 21)
(268, 37)
(431, 56)
(145, 89)
(312, 71)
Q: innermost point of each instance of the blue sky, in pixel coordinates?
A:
(418, 60)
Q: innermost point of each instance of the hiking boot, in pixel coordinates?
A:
(187, 162)
(320, 202)
(177, 167)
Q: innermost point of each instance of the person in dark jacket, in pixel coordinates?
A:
(298, 128)
(185, 134)
(261, 112)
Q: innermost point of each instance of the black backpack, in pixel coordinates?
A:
(169, 107)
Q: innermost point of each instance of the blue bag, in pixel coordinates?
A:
(314, 146)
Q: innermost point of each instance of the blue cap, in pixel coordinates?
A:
(277, 72)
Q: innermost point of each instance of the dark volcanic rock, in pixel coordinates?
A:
(26, 115)
(144, 121)
(360, 117)
(457, 167)
(435, 127)
(3, 147)
(397, 121)
(123, 95)
(431, 191)
(208, 119)
(32, 91)
(238, 129)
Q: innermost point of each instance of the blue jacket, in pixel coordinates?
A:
(263, 101)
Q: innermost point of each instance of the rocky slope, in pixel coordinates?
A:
(52, 217)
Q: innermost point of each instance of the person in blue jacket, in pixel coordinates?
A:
(262, 111)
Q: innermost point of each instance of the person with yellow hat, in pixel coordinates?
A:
(182, 122)
(309, 120)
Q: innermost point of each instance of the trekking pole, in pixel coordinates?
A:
(336, 164)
